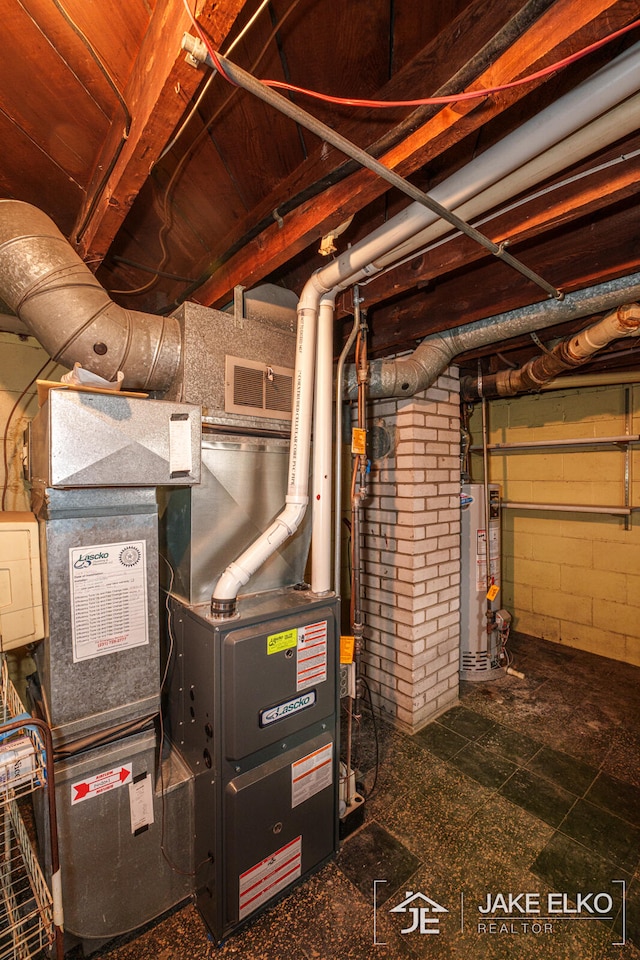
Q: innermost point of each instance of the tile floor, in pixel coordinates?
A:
(528, 786)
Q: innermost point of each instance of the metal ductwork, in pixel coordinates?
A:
(54, 293)
(406, 376)
(565, 355)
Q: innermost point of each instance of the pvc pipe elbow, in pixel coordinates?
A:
(239, 571)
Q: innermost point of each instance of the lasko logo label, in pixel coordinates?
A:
(282, 710)
(86, 559)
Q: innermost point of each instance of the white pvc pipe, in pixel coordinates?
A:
(287, 522)
(322, 445)
(605, 89)
(619, 122)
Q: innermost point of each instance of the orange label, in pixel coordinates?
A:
(346, 649)
(359, 441)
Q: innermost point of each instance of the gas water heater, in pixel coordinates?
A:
(482, 621)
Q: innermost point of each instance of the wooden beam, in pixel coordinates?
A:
(159, 89)
(447, 54)
(597, 249)
(584, 197)
(565, 27)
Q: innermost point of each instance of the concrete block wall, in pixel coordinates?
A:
(412, 557)
(568, 577)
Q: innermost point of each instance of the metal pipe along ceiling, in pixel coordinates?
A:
(565, 355)
(405, 376)
(67, 310)
(616, 82)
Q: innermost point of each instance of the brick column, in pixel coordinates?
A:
(412, 557)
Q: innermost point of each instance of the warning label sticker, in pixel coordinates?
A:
(311, 774)
(260, 883)
(312, 655)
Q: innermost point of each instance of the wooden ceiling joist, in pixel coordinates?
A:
(561, 30)
(596, 250)
(607, 185)
(159, 89)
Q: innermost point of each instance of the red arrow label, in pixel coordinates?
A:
(101, 783)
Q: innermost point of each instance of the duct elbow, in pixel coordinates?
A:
(66, 309)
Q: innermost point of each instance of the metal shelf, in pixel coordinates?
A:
(569, 508)
(30, 913)
(621, 440)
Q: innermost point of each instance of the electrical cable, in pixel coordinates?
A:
(421, 101)
(147, 269)
(232, 46)
(365, 103)
(166, 220)
(97, 193)
(376, 767)
(461, 78)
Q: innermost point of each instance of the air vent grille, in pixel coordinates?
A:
(258, 389)
(248, 387)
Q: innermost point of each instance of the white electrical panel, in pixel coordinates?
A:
(21, 617)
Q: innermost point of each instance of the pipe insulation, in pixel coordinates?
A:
(44, 281)
(568, 354)
(405, 376)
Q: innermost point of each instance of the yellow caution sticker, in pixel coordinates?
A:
(359, 441)
(346, 649)
(277, 642)
(493, 592)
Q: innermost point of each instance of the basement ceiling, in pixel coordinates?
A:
(172, 184)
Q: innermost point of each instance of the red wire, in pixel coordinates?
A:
(423, 101)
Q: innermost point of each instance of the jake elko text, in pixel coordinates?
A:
(515, 913)
(561, 904)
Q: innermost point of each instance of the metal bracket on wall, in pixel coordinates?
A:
(238, 306)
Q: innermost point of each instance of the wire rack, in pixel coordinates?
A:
(27, 771)
(26, 906)
(28, 914)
